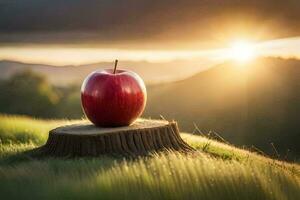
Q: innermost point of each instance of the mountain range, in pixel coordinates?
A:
(256, 103)
(152, 73)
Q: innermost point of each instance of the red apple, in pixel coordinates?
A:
(113, 98)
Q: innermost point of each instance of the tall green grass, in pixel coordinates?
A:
(216, 171)
(21, 129)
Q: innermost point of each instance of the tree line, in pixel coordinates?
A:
(30, 93)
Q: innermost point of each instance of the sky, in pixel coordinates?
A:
(100, 30)
(60, 55)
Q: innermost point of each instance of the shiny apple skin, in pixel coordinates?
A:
(111, 100)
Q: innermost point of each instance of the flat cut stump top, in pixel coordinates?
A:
(86, 128)
(141, 138)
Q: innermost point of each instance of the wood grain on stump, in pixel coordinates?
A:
(140, 138)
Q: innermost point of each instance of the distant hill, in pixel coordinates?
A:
(255, 104)
(70, 74)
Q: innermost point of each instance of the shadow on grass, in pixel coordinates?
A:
(36, 155)
(33, 157)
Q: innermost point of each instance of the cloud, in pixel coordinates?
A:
(145, 22)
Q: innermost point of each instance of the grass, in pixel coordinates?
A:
(216, 171)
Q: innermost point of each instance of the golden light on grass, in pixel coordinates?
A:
(242, 51)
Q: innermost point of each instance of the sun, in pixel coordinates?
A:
(241, 51)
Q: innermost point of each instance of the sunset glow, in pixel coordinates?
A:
(242, 51)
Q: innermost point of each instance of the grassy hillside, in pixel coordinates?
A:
(255, 103)
(216, 171)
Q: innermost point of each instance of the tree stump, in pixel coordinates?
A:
(141, 138)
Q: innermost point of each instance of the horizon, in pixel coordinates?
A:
(77, 55)
(82, 32)
(252, 43)
(143, 99)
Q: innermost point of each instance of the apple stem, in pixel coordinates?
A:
(116, 63)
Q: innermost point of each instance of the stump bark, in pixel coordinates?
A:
(140, 138)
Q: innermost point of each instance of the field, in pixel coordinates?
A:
(216, 171)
